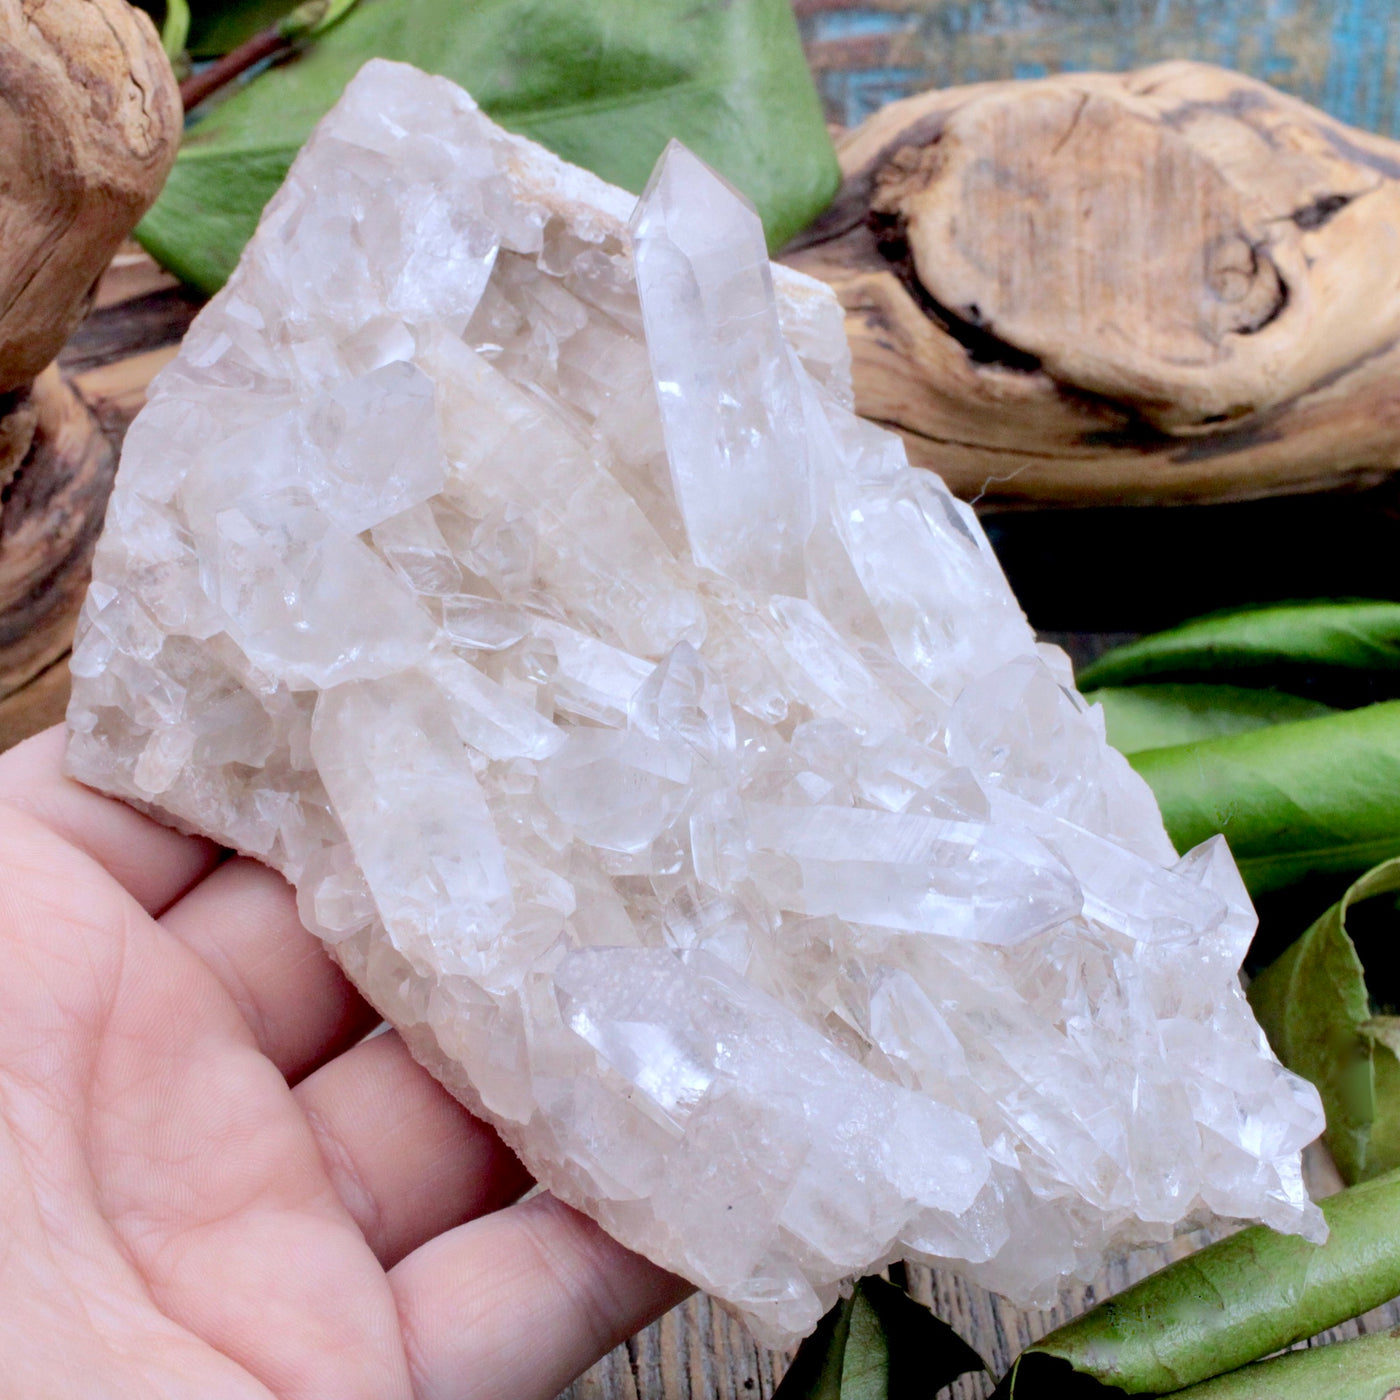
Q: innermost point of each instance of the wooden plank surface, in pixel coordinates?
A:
(697, 1353)
(1340, 55)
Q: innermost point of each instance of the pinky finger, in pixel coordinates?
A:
(514, 1305)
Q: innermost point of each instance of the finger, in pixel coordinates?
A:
(212, 1183)
(153, 863)
(242, 921)
(406, 1158)
(515, 1305)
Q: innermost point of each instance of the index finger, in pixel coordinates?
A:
(154, 864)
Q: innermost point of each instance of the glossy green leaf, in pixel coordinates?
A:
(1316, 796)
(1158, 716)
(1228, 1304)
(878, 1344)
(1314, 1006)
(604, 83)
(1362, 636)
(1365, 1368)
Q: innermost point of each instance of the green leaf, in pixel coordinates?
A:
(878, 1344)
(217, 28)
(603, 83)
(1365, 1368)
(1352, 635)
(1382, 1037)
(176, 30)
(1315, 1009)
(312, 18)
(1228, 1304)
(1316, 796)
(1157, 716)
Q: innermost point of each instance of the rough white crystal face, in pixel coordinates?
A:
(658, 751)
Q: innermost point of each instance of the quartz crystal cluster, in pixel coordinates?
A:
(663, 756)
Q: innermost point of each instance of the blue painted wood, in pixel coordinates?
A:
(1340, 55)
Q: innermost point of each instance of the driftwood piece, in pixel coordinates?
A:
(49, 522)
(1164, 286)
(89, 123)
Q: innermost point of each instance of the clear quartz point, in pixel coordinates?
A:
(726, 381)
(661, 754)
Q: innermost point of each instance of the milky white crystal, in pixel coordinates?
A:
(661, 754)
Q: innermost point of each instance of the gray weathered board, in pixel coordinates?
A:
(1340, 55)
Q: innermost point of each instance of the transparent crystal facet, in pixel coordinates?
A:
(665, 757)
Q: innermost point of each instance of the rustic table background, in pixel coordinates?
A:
(1342, 55)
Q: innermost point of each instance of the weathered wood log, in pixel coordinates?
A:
(49, 521)
(1164, 286)
(89, 123)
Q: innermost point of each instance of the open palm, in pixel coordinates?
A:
(212, 1185)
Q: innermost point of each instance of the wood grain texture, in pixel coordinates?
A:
(1339, 55)
(90, 121)
(1165, 286)
(51, 509)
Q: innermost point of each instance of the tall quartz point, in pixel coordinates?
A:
(663, 756)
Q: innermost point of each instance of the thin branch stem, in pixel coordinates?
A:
(263, 45)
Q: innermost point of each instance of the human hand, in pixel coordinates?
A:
(211, 1185)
